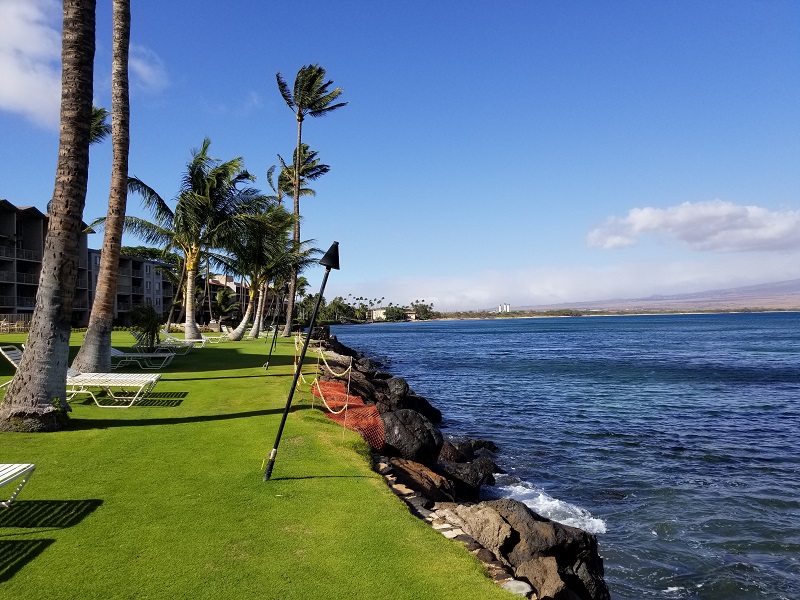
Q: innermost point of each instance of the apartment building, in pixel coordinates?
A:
(22, 233)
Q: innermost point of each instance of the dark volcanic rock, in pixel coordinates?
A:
(410, 435)
(451, 452)
(398, 387)
(561, 562)
(420, 478)
(469, 477)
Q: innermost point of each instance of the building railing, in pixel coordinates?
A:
(80, 304)
(28, 254)
(6, 276)
(26, 302)
(8, 300)
(7, 252)
(82, 282)
(28, 278)
(124, 272)
(136, 273)
(123, 306)
(137, 289)
(123, 289)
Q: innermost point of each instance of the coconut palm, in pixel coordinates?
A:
(42, 374)
(210, 206)
(312, 97)
(94, 355)
(265, 253)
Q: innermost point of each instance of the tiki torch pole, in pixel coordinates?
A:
(278, 306)
(329, 261)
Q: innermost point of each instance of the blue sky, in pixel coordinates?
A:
(521, 152)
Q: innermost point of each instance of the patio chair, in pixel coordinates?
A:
(10, 473)
(145, 360)
(121, 387)
(141, 345)
(216, 339)
(195, 343)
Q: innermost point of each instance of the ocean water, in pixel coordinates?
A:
(676, 438)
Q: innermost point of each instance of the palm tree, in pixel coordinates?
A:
(209, 209)
(42, 374)
(94, 355)
(265, 253)
(312, 97)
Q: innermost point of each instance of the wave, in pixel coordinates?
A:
(542, 503)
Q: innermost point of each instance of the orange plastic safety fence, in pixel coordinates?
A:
(359, 417)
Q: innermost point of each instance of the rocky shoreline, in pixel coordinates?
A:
(440, 480)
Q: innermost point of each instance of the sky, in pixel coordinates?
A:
(521, 152)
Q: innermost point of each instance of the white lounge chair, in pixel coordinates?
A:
(141, 345)
(145, 360)
(10, 473)
(130, 387)
(194, 343)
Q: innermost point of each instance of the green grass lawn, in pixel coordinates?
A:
(166, 499)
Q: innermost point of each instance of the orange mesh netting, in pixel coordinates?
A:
(350, 411)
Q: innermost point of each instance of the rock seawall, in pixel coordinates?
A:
(441, 480)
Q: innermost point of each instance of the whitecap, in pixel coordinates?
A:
(541, 502)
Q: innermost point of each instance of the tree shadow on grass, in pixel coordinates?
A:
(84, 424)
(54, 514)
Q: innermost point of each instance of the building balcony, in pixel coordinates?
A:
(6, 276)
(25, 254)
(8, 300)
(32, 278)
(26, 302)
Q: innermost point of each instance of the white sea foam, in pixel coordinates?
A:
(539, 501)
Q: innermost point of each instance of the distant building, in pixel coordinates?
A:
(22, 233)
(504, 308)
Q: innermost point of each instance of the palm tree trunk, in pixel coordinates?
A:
(238, 333)
(256, 329)
(287, 330)
(42, 373)
(191, 329)
(94, 355)
(176, 298)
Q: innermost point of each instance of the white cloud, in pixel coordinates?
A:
(147, 70)
(708, 226)
(30, 59)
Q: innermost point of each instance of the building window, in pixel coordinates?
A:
(147, 285)
(158, 286)
(148, 301)
(147, 269)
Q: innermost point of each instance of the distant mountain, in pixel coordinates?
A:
(780, 296)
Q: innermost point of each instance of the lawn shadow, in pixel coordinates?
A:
(83, 424)
(47, 513)
(57, 514)
(15, 554)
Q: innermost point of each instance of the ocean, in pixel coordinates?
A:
(674, 438)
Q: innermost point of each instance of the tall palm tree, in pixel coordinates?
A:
(311, 96)
(94, 355)
(209, 209)
(42, 373)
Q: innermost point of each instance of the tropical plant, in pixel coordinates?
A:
(42, 374)
(210, 208)
(94, 355)
(224, 303)
(311, 96)
(146, 321)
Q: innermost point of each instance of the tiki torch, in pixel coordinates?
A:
(329, 261)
